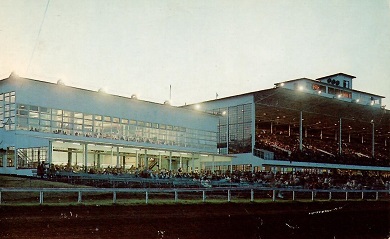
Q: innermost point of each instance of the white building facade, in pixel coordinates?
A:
(64, 125)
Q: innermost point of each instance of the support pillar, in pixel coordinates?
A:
(170, 161)
(69, 157)
(16, 157)
(98, 159)
(137, 160)
(146, 161)
(340, 140)
(50, 152)
(118, 161)
(159, 160)
(300, 131)
(373, 140)
(85, 153)
(193, 163)
(112, 156)
(213, 164)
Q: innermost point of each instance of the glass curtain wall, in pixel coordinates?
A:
(234, 129)
(59, 121)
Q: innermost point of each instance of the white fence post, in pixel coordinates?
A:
(79, 197)
(204, 196)
(376, 196)
(362, 195)
(312, 195)
(229, 195)
(330, 195)
(41, 197)
(273, 195)
(176, 196)
(346, 196)
(252, 195)
(114, 197)
(293, 195)
(146, 197)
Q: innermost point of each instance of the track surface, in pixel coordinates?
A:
(230, 220)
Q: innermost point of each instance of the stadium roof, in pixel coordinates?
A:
(283, 107)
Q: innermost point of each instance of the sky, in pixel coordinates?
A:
(190, 51)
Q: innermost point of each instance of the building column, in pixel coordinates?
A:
(146, 163)
(16, 157)
(50, 152)
(69, 157)
(170, 161)
(118, 158)
(253, 134)
(340, 146)
(300, 131)
(373, 139)
(159, 160)
(227, 131)
(98, 159)
(136, 159)
(289, 130)
(112, 156)
(181, 162)
(85, 149)
(213, 164)
(193, 162)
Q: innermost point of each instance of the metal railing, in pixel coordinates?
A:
(262, 193)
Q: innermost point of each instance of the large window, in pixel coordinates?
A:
(58, 121)
(234, 129)
(7, 110)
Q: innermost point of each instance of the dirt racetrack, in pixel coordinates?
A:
(228, 220)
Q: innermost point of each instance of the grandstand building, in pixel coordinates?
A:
(78, 128)
(319, 124)
(304, 124)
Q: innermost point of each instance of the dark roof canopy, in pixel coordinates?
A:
(282, 107)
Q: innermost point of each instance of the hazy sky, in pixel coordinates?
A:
(199, 47)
